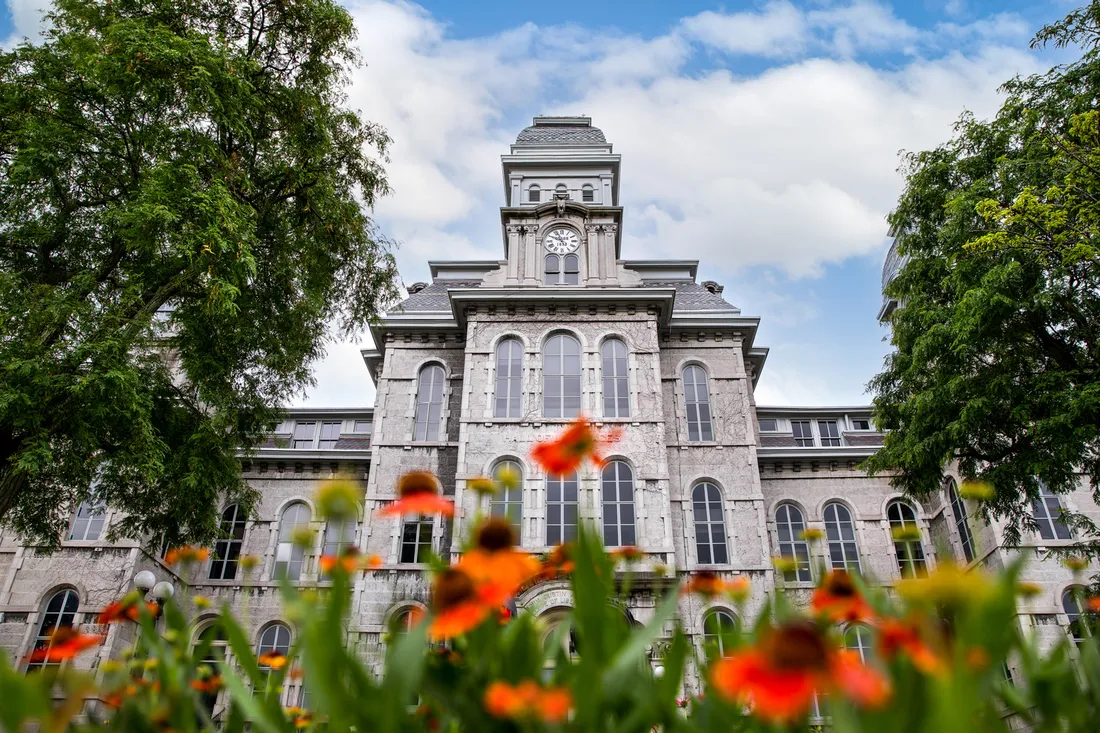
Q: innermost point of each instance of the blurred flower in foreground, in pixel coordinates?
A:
(567, 452)
(780, 675)
(248, 562)
(186, 554)
(456, 605)
(300, 717)
(65, 643)
(977, 490)
(207, 685)
(557, 562)
(905, 637)
(812, 534)
(1093, 604)
(349, 561)
(481, 485)
(1075, 563)
(527, 700)
(273, 660)
(709, 585)
(948, 585)
(628, 554)
(495, 566)
(127, 609)
(338, 499)
(839, 600)
(418, 493)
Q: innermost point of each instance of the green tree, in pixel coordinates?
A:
(183, 216)
(997, 336)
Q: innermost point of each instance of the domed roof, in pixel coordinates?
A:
(561, 131)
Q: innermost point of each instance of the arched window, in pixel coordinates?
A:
(561, 369)
(588, 194)
(1047, 510)
(534, 193)
(429, 403)
(697, 401)
(227, 550)
(710, 527)
(210, 648)
(1071, 604)
(404, 620)
(789, 526)
(903, 520)
(289, 554)
(508, 501)
(561, 508)
(560, 191)
(274, 640)
(719, 626)
(571, 270)
(88, 520)
(616, 394)
(840, 530)
(552, 272)
(959, 512)
(617, 490)
(60, 611)
(509, 378)
(857, 638)
(339, 536)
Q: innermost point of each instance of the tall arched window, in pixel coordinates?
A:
(227, 550)
(60, 611)
(274, 640)
(710, 527)
(697, 401)
(561, 369)
(840, 530)
(534, 193)
(289, 554)
(903, 520)
(88, 520)
(211, 645)
(958, 510)
(616, 392)
(508, 501)
(857, 638)
(429, 403)
(1047, 510)
(1071, 604)
(561, 508)
(617, 493)
(339, 536)
(507, 401)
(552, 269)
(789, 526)
(570, 270)
(719, 626)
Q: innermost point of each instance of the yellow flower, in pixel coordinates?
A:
(1028, 590)
(201, 602)
(508, 477)
(249, 561)
(948, 585)
(812, 534)
(785, 564)
(303, 537)
(977, 490)
(481, 485)
(1075, 563)
(660, 569)
(906, 533)
(151, 663)
(338, 499)
(110, 666)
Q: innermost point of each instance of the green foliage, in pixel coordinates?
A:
(997, 336)
(610, 679)
(183, 198)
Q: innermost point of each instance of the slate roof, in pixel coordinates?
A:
(690, 296)
(561, 135)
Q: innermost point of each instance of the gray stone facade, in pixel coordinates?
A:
(754, 461)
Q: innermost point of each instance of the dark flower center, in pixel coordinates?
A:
(495, 535)
(452, 587)
(416, 482)
(840, 584)
(797, 646)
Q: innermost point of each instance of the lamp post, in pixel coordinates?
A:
(147, 583)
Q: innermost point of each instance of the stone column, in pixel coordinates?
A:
(532, 259)
(610, 232)
(513, 254)
(593, 254)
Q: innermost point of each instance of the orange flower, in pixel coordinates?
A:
(418, 494)
(629, 554)
(709, 584)
(839, 600)
(1093, 603)
(186, 554)
(456, 604)
(208, 685)
(527, 700)
(272, 660)
(557, 562)
(65, 643)
(899, 636)
(349, 561)
(567, 452)
(780, 675)
(495, 566)
(300, 717)
(128, 609)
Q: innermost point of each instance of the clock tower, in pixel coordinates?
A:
(561, 219)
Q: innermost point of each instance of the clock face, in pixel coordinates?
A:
(561, 241)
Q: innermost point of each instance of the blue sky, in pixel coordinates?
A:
(761, 138)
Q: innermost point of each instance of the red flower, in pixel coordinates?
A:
(709, 584)
(780, 675)
(418, 493)
(272, 660)
(207, 686)
(629, 553)
(128, 609)
(495, 566)
(839, 600)
(187, 554)
(456, 605)
(527, 700)
(905, 637)
(567, 452)
(65, 643)
(1093, 603)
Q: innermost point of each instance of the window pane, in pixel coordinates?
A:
(790, 525)
(803, 436)
(330, 433)
(910, 553)
(710, 526)
(304, 433)
(617, 490)
(961, 525)
(840, 532)
(830, 433)
(697, 404)
(561, 509)
(363, 426)
(768, 425)
(429, 403)
(228, 549)
(509, 502)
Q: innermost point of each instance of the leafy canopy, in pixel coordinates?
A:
(997, 336)
(183, 198)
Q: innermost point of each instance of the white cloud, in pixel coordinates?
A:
(779, 29)
(26, 19)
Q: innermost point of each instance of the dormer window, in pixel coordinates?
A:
(561, 192)
(534, 194)
(588, 194)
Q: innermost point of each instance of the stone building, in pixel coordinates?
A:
(492, 356)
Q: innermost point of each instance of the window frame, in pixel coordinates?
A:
(962, 525)
(508, 498)
(796, 547)
(800, 439)
(692, 399)
(296, 554)
(65, 615)
(615, 507)
(511, 380)
(534, 194)
(615, 383)
(588, 193)
(711, 495)
(864, 640)
(425, 401)
(321, 439)
(355, 427)
(420, 545)
(846, 546)
(566, 531)
(773, 421)
(97, 510)
(714, 640)
(908, 552)
(554, 382)
(217, 657)
(1076, 616)
(1050, 523)
(832, 426)
(228, 543)
(570, 269)
(312, 439)
(264, 646)
(335, 546)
